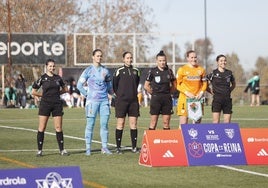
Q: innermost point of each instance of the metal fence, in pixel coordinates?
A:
(144, 47)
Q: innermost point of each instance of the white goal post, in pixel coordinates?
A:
(149, 43)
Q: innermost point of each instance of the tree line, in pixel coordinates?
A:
(109, 16)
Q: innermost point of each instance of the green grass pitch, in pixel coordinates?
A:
(18, 148)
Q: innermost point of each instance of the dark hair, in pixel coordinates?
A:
(50, 60)
(95, 51)
(161, 53)
(255, 73)
(21, 77)
(125, 53)
(189, 52)
(219, 56)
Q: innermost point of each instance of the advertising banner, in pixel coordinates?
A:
(255, 142)
(57, 177)
(213, 144)
(162, 148)
(33, 48)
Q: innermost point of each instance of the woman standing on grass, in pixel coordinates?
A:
(160, 82)
(98, 80)
(191, 83)
(223, 83)
(125, 85)
(52, 87)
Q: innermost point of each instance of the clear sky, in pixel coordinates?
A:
(239, 26)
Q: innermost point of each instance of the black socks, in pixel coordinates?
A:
(134, 135)
(59, 136)
(40, 140)
(118, 137)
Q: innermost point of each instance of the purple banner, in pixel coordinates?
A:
(213, 144)
(60, 177)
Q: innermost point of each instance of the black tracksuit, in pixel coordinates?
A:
(125, 83)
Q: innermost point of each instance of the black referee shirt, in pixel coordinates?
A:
(160, 80)
(221, 82)
(51, 86)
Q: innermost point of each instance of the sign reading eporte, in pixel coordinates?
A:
(33, 48)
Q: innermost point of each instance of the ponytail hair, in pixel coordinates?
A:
(161, 53)
(49, 60)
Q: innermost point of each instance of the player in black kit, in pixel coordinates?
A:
(223, 83)
(52, 87)
(125, 85)
(160, 82)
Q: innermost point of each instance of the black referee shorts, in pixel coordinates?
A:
(48, 108)
(223, 104)
(123, 108)
(255, 92)
(161, 104)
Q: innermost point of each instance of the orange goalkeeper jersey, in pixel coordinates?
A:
(191, 79)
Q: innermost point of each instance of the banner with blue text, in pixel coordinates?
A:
(57, 177)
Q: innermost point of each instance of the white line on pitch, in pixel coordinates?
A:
(34, 150)
(144, 118)
(50, 133)
(241, 170)
(77, 138)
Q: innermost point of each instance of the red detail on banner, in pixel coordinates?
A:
(255, 141)
(163, 148)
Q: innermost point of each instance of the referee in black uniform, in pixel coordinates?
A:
(223, 83)
(125, 84)
(52, 87)
(160, 82)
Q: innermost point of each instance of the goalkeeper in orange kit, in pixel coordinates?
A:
(191, 83)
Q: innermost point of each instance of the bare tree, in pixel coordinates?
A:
(39, 16)
(239, 74)
(91, 16)
(168, 49)
(234, 65)
(120, 16)
(261, 67)
(203, 52)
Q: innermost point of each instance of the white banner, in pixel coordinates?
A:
(194, 109)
